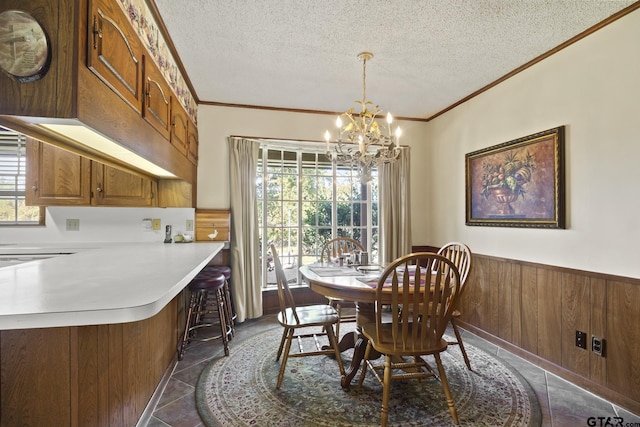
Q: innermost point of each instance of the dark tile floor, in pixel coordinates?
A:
(562, 403)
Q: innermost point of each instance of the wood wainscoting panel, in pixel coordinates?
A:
(476, 305)
(549, 315)
(598, 327)
(545, 305)
(529, 319)
(576, 295)
(622, 348)
(509, 291)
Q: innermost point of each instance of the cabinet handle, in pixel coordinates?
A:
(99, 189)
(97, 32)
(35, 188)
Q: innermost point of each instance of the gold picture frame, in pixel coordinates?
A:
(519, 183)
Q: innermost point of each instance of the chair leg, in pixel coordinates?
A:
(459, 338)
(386, 388)
(447, 391)
(223, 322)
(185, 337)
(282, 340)
(289, 334)
(338, 308)
(365, 364)
(334, 343)
(229, 308)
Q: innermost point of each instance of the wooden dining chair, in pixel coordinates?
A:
(292, 318)
(460, 255)
(332, 250)
(422, 303)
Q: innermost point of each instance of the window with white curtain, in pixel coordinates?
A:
(304, 200)
(13, 210)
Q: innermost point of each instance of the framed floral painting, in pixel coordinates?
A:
(519, 183)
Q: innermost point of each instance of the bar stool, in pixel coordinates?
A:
(226, 270)
(207, 298)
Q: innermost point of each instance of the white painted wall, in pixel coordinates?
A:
(99, 224)
(591, 87)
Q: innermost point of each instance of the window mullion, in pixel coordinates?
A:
(334, 200)
(265, 201)
(369, 207)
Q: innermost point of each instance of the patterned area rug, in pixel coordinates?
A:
(239, 390)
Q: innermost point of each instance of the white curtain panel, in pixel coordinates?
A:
(395, 203)
(245, 254)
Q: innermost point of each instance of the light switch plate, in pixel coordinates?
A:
(157, 224)
(189, 225)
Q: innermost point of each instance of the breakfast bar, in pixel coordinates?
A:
(88, 334)
(94, 284)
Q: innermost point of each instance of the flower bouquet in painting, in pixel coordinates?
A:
(505, 181)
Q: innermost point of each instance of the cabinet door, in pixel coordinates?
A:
(210, 221)
(56, 177)
(179, 126)
(192, 149)
(115, 51)
(115, 187)
(156, 109)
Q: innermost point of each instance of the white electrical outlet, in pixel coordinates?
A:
(147, 224)
(189, 225)
(73, 225)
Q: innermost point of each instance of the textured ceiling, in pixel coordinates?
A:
(429, 54)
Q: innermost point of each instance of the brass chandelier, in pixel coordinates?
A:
(361, 142)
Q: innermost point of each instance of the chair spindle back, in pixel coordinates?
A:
(422, 298)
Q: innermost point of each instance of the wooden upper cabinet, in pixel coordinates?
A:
(56, 177)
(116, 187)
(192, 148)
(179, 126)
(115, 51)
(156, 109)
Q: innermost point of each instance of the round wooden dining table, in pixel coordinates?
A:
(347, 284)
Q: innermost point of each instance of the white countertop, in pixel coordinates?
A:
(100, 283)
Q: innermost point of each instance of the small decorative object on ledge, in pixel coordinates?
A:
(361, 141)
(519, 183)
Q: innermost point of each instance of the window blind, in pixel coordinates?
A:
(13, 164)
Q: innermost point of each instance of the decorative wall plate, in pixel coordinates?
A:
(25, 51)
